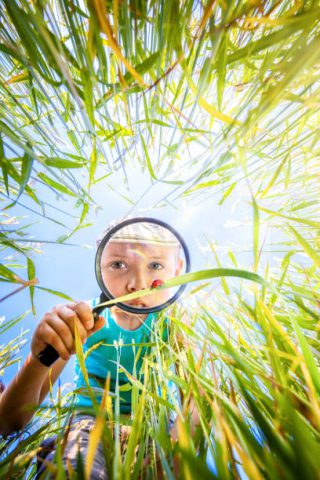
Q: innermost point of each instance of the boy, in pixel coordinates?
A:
(132, 260)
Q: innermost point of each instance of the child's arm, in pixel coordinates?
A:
(25, 392)
(31, 384)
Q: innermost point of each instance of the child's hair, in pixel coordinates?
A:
(111, 225)
(143, 232)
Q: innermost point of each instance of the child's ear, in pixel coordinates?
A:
(179, 266)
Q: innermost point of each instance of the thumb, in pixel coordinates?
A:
(98, 325)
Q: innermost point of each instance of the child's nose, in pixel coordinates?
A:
(137, 281)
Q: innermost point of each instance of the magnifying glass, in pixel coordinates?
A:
(139, 254)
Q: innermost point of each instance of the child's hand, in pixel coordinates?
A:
(57, 328)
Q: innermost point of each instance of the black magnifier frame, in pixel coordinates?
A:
(105, 240)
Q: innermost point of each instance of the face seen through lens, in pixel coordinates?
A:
(129, 266)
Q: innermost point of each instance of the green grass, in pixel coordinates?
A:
(218, 100)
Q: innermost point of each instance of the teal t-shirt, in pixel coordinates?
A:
(113, 351)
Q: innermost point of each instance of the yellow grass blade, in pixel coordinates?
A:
(105, 26)
(94, 439)
(209, 108)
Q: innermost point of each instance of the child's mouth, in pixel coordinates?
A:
(138, 304)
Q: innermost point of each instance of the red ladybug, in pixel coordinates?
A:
(156, 283)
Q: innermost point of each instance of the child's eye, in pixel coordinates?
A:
(118, 265)
(156, 266)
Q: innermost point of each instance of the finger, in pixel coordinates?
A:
(60, 306)
(62, 329)
(98, 324)
(71, 318)
(53, 339)
(85, 315)
(70, 304)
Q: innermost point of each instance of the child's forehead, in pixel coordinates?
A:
(145, 249)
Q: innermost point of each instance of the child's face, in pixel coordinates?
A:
(127, 267)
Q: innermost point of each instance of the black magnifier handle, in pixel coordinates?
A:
(97, 310)
(49, 355)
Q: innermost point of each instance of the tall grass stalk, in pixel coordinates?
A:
(215, 101)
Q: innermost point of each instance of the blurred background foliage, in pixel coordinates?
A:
(206, 98)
